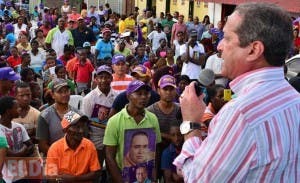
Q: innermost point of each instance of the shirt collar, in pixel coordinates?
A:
(67, 148)
(247, 80)
(100, 93)
(125, 112)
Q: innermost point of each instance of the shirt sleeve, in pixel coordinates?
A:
(42, 131)
(111, 133)
(91, 68)
(150, 36)
(94, 162)
(118, 104)
(226, 155)
(173, 29)
(74, 68)
(71, 40)
(49, 36)
(87, 106)
(97, 46)
(3, 142)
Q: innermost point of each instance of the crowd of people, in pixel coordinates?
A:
(73, 85)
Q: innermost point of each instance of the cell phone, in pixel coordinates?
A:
(227, 94)
(199, 89)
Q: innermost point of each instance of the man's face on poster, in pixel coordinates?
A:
(139, 149)
(141, 174)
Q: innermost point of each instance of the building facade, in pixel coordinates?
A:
(118, 6)
(216, 9)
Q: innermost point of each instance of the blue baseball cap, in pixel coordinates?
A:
(118, 58)
(136, 85)
(104, 68)
(7, 73)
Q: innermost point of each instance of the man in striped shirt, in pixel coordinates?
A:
(120, 79)
(254, 137)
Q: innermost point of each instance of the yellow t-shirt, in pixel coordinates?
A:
(144, 32)
(129, 23)
(122, 26)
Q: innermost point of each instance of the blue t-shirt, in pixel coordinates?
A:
(168, 156)
(35, 14)
(105, 49)
(143, 60)
(96, 31)
(11, 39)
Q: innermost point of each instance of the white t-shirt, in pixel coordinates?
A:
(178, 48)
(93, 104)
(190, 69)
(37, 60)
(59, 40)
(155, 36)
(65, 9)
(17, 30)
(215, 64)
(15, 137)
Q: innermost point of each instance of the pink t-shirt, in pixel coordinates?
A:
(178, 28)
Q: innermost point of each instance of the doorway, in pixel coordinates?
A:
(168, 2)
(149, 5)
(191, 8)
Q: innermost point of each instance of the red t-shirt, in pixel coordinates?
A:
(297, 42)
(83, 72)
(148, 64)
(13, 62)
(64, 61)
(45, 30)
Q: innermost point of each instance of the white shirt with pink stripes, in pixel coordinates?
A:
(254, 138)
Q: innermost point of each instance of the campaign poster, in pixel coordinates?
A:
(139, 155)
(100, 114)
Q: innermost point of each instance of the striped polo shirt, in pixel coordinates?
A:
(120, 84)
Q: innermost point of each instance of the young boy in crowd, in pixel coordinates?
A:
(25, 62)
(48, 74)
(82, 72)
(14, 60)
(60, 72)
(36, 95)
(169, 154)
(16, 135)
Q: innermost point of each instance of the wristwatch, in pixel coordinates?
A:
(187, 126)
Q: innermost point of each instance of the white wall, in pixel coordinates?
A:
(214, 12)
